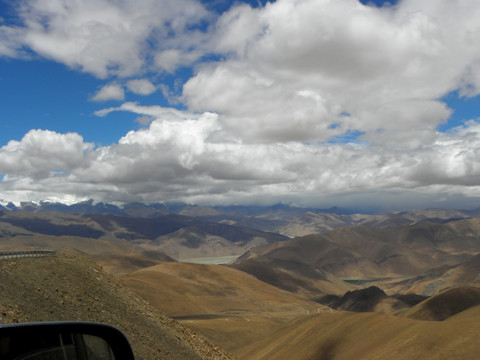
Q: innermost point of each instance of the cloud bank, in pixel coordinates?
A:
(182, 159)
(316, 102)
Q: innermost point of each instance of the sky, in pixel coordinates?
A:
(320, 103)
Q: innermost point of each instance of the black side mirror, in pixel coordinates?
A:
(63, 341)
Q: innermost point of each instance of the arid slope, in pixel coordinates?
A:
(446, 304)
(346, 336)
(424, 258)
(74, 288)
(189, 289)
(228, 306)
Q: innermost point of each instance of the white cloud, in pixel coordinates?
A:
(289, 77)
(104, 37)
(152, 111)
(385, 67)
(42, 152)
(170, 60)
(179, 157)
(9, 42)
(144, 120)
(111, 91)
(141, 86)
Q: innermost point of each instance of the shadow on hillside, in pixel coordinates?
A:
(326, 351)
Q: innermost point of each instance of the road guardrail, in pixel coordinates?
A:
(16, 254)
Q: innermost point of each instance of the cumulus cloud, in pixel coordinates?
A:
(141, 86)
(41, 153)
(105, 37)
(311, 101)
(294, 69)
(111, 91)
(179, 157)
(170, 60)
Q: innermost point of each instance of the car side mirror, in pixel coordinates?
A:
(63, 341)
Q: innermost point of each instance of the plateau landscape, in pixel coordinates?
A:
(248, 179)
(396, 284)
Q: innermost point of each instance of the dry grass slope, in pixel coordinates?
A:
(189, 289)
(445, 304)
(226, 305)
(69, 287)
(346, 336)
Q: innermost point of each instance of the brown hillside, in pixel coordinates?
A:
(294, 276)
(346, 336)
(204, 289)
(423, 258)
(439, 279)
(120, 265)
(319, 223)
(371, 299)
(385, 249)
(445, 304)
(314, 223)
(228, 306)
(311, 265)
(180, 237)
(68, 287)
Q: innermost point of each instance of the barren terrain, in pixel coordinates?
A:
(73, 288)
(400, 288)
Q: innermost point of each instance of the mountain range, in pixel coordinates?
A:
(331, 285)
(280, 218)
(177, 236)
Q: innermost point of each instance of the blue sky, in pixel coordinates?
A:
(316, 103)
(40, 94)
(464, 108)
